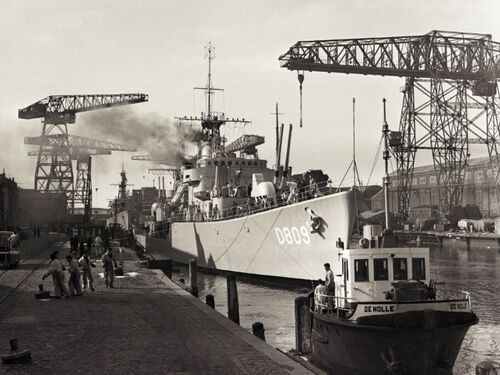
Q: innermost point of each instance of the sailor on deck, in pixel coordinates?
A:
(321, 297)
(329, 279)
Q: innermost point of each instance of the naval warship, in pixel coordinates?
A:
(233, 213)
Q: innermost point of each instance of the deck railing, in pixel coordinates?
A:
(328, 304)
(260, 205)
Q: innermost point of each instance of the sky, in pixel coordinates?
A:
(158, 48)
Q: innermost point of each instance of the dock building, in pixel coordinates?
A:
(478, 194)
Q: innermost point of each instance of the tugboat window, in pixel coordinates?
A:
(361, 270)
(380, 269)
(418, 265)
(400, 266)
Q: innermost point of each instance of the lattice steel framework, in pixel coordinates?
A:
(81, 150)
(83, 188)
(450, 92)
(54, 170)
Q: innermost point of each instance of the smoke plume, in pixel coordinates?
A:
(151, 133)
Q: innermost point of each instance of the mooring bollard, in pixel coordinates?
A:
(210, 300)
(233, 308)
(13, 345)
(168, 268)
(258, 330)
(193, 277)
(42, 294)
(302, 325)
(15, 355)
(488, 368)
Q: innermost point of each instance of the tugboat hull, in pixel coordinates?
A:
(427, 348)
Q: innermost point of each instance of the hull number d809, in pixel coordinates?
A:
(293, 235)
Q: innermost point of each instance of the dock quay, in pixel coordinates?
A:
(147, 324)
(437, 238)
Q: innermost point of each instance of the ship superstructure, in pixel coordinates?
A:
(232, 212)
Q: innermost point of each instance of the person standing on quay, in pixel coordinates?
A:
(56, 271)
(75, 287)
(98, 246)
(89, 243)
(86, 266)
(108, 264)
(81, 247)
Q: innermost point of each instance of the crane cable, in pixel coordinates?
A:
(377, 157)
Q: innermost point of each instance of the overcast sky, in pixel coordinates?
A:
(157, 47)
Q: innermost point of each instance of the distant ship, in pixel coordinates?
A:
(233, 213)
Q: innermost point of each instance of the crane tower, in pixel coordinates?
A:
(450, 94)
(54, 170)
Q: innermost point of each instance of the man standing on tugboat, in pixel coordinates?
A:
(329, 280)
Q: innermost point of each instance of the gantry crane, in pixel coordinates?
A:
(54, 171)
(81, 150)
(451, 92)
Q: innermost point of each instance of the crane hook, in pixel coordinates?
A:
(300, 77)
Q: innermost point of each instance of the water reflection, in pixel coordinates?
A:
(476, 270)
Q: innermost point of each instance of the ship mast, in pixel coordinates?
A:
(210, 120)
(210, 51)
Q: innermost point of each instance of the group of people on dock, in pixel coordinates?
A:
(80, 272)
(81, 244)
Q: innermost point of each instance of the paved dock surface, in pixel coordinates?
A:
(145, 325)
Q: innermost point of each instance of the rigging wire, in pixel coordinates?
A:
(377, 157)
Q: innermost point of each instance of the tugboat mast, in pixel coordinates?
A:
(385, 132)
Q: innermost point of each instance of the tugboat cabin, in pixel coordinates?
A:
(369, 274)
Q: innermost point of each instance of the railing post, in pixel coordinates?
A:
(193, 277)
(302, 325)
(258, 330)
(168, 268)
(210, 300)
(233, 308)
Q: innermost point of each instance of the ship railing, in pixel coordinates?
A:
(451, 294)
(299, 194)
(339, 306)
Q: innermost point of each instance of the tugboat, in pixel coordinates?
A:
(387, 315)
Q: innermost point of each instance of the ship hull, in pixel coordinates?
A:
(276, 243)
(349, 348)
